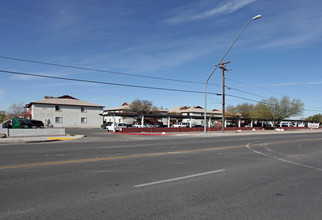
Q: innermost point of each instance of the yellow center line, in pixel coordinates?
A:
(96, 159)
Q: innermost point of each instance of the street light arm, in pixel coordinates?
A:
(230, 48)
(205, 113)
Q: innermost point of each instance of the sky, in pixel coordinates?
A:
(162, 51)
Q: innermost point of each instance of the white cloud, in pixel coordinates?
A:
(291, 29)
(224, 8)
(22, 77)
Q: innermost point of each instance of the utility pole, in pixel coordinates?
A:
(224, 68)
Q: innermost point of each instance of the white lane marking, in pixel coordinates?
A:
(286, 161)
(179, 178)
(299, 164)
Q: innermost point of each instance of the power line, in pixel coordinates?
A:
(231, 88)
(120, 73)
(127, 85)
(98, 70)
(105, 83)
(253, 86)
(269, 91)
(266, 103)
(135, 75)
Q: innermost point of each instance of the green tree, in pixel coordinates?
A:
(316, 118)
(4, 116)
(274, 110)
(241, 110)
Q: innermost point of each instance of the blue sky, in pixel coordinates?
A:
(277, 55)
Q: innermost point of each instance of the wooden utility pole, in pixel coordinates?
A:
(224, 68)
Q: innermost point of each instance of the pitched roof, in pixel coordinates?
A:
(124, 106)
(64, 100)
(192, 109)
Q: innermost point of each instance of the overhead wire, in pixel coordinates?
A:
(126, 85)
(129, 74)
(106, 83)
(120, 73)
(103, 71)
(270, 91)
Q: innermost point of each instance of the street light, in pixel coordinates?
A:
(205, 113)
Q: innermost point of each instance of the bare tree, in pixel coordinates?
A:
(141, 106)
(17, 110)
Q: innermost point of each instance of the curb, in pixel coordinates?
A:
(39, 139)
(220, 134)
(142, 134)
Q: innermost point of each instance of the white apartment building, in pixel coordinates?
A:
(66, 111)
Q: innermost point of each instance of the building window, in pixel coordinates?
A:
(57, 108)
(59, 120)
(83, 109)
(83, 120)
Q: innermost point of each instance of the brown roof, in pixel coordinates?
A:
(126, 107)
(192, 109)
(64, 100)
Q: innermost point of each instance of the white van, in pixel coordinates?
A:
(181, 125)
(110, 125)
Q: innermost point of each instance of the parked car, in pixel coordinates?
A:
(105, 124)
(109, 126)
(181, 125)
(138, 125)
(6, 124)
(148, 125)
(37, 124)
(120, 126)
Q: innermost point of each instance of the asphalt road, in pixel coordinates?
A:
(108, 176)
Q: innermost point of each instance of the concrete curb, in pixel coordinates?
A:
(244, 133)
(39, 139)
(227, 133)
(147, 134)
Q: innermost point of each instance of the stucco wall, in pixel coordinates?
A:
(70, 115)
(32, 132)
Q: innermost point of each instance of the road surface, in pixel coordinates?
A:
(112, 176)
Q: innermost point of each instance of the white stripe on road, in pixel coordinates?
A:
(179, 178)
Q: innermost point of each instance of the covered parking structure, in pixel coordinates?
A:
(230, 123)
(164, 117)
